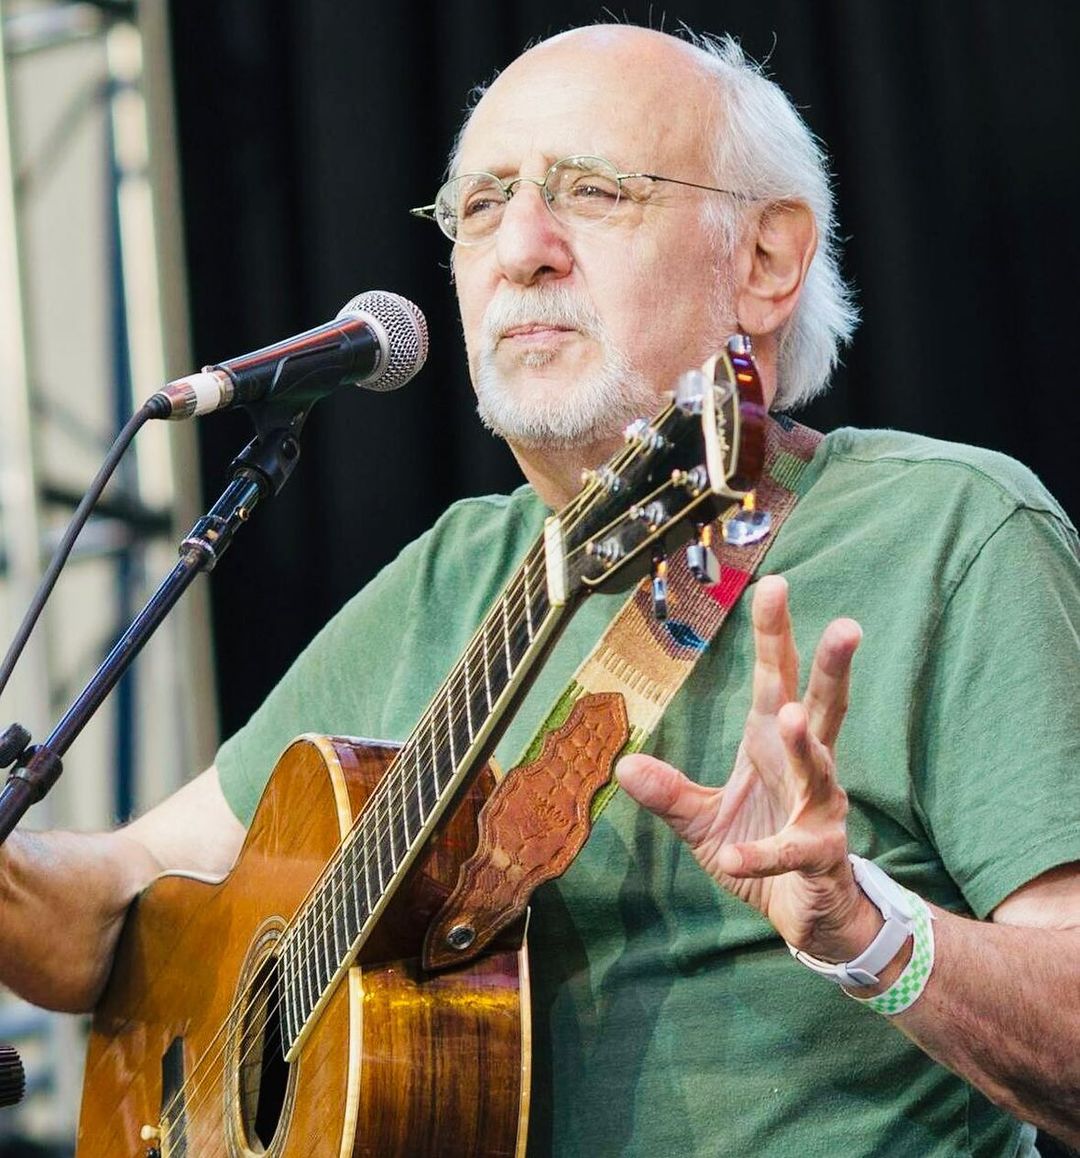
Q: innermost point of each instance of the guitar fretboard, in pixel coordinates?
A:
(451, 736)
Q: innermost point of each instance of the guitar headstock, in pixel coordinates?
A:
(697, 459)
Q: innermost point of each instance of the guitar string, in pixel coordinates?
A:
(443, 703)
(190, 1091)
(518, 585)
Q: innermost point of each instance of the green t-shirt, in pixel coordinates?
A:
(668, 1017)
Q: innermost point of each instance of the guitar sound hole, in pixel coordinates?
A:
(263, 1071)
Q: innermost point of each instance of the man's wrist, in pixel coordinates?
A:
(872, 949)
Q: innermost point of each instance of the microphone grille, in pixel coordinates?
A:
(406, 333)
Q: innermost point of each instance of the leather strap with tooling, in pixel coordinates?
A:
(540, 814)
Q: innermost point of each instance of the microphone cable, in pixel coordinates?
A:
(154, 407)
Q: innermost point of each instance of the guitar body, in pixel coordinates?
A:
(399, 1062)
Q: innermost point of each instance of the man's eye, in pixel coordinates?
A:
(587, 189)
(479, 205)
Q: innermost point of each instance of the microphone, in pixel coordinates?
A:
(379, 341)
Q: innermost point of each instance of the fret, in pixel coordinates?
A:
(538, 601)
(391, 824)
(528, 609)
(365, 837)
(403, 799)
(309, 988)
(450, 729)
(359, 915)
(506, 638)
(286, 982)
(338, 920)
(427, 784)
(376, 840)
(498, 671)
(487, 664)
(419, 773)
(468, 698)
(327, 970)
(460, 733)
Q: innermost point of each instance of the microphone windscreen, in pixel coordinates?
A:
(406, 332)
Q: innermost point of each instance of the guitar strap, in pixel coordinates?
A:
(539, 816)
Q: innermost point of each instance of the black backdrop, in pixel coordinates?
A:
(307, 129)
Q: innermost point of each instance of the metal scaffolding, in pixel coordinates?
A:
(93, 318)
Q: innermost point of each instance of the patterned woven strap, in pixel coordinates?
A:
(647, 660)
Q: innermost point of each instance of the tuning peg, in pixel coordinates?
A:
(608, 551)
(645, 434)
(659, 583)
(748, 526)
(703, 563)
(695, 481)
(652, 514)
(690, 391)
(605, 478)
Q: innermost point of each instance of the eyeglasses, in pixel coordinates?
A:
(576, 190)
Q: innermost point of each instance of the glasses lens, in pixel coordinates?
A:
(469, 208)
(583, 189)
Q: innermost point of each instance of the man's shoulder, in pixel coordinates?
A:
(922, 462)
(483, 521)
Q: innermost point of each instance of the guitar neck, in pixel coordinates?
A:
(453, 737)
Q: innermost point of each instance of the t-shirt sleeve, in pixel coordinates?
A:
(998, 781)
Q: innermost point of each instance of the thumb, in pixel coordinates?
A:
(688, 807)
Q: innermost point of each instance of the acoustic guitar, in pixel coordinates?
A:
(286, 1009)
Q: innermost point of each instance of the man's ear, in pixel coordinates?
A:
(773, 265)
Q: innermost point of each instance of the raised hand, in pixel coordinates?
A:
(775, 834)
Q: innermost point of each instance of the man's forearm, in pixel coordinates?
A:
(1002, 1009)
(62, 902)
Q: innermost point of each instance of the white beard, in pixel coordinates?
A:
(536, 415)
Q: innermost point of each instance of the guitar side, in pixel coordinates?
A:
(401, 1062)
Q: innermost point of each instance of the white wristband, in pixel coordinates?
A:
(894, 902)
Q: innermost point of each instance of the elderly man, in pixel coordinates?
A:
(669, 1015)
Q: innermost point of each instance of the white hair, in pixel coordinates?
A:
(761, 147)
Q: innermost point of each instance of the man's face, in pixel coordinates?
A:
(572, 331)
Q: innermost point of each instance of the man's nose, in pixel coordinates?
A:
(530, 245)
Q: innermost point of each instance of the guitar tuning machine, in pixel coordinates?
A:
(700, 558)
(695, 481)
(605, 478)
(652, 514)
(608, 551)
(747, 526)
(645, 434)
(659, 583)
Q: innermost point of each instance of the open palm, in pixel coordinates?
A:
(774, 835)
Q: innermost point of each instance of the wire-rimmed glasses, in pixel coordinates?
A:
(577, 190)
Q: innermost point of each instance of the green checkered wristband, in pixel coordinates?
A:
(908, 987)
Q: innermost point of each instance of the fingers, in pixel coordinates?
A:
(688, 807)
(827, 690)
(813, 839)
(791, 850)
(776, 667)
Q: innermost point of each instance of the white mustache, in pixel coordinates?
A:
(543, 306)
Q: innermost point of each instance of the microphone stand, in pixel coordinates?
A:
(259, 471)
